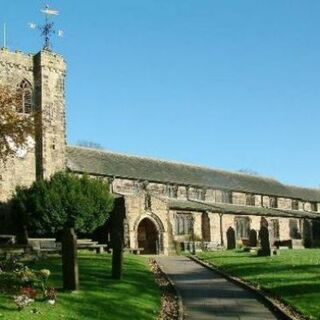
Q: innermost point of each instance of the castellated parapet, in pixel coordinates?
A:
(45, 72)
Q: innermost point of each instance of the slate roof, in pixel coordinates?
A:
(100, 162)
(238, 209)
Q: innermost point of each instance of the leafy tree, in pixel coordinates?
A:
(14, 127)
(65, 202)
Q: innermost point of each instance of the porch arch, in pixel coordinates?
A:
(148, 230)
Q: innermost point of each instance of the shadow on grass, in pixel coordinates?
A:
(136, 296)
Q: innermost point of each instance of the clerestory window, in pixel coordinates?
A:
(295, 204)
(24, 92)
(250, 199)
(172, 191)
(273, 202)
(314, 206)
(226, 197)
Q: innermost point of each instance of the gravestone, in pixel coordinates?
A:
(297, 244)
(231, 239)
(265, 247)
(253, 238)
(307, 233)
(117, 236)
(69, 260)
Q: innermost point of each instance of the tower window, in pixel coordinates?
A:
(25, 97)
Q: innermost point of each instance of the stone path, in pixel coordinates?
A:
(207, 295)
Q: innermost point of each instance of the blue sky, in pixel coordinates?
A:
(227, 84)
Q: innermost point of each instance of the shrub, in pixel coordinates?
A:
(64, 201)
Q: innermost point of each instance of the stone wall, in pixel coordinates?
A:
(129, 186)
(158, 213)
(307, 206)
(157, 188)
(45, 72)
(284, 203)
(239, 198)
(266, 201)
(182, 192)
(210, 195)
(215, 229)
(258, 200)
(49, 73)
(15, 67)
(124, 186)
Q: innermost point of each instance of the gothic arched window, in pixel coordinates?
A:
(242, 227)
(183, 223)
(25, 97)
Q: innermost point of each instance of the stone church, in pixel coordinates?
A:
(168, 204)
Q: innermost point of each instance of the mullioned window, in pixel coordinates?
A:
(24, 92)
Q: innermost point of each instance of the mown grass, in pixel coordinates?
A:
(135, 297)
(294, 275)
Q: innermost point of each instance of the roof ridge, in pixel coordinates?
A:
(177, 162)
(302, 187)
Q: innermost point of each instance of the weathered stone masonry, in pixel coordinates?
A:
(167, 203)
(45, 72)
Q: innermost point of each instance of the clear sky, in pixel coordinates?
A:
(228, 84)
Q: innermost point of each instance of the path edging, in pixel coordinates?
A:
(177, 292)
(268, 301)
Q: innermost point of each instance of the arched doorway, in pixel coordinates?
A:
(148, 237)
(205, 226)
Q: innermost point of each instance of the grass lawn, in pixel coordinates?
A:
(294, 274)
(135, 297)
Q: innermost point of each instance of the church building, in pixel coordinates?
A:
(169, 205)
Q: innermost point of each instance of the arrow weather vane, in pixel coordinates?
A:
(47, 30)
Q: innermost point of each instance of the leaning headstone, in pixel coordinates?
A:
(265, 249)
(231, 238)
(69, 260)
(253, 238)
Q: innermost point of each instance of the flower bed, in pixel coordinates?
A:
(24, 284)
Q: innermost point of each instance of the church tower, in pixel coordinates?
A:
(40, 79)
(49, 101)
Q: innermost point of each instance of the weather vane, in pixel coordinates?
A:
(47, 30)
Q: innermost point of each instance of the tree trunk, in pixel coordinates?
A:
(69, 260)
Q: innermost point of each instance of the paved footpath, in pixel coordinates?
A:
(207, 295)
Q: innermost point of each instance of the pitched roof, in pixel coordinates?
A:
(100, 162)
(238, 209)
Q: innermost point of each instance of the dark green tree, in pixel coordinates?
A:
(68, 203)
